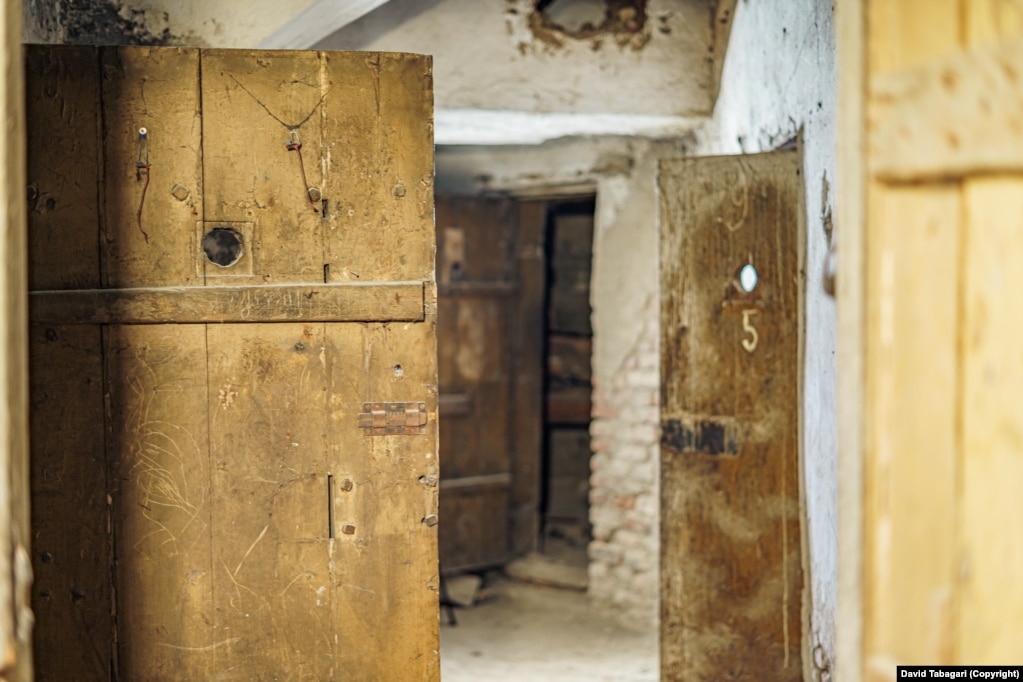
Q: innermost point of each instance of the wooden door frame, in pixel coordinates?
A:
(15, 598)
(850, 25)
(530, 207)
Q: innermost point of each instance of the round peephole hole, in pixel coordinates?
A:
(222, 246)
(748, 277)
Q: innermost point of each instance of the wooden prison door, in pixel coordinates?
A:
(731, 564)
(929, 285)
(490, 271)
(233, 393)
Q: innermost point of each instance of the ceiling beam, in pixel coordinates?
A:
(316, 22)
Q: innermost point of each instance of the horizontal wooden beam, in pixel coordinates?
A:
(361, 302)
(953, 117)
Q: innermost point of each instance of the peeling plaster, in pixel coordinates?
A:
(511, 61)
(623, 21)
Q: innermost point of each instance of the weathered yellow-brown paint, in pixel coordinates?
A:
(731, 559)
(206, 505)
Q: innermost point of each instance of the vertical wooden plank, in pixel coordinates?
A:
(270, 516)
(70, 516)
(990, 562)
(850, 22)
(912, 436)
(155, 375)
(731, 561)
(70, 521)
(62, 103)
(253, 103)
(911, 379)
(527, 370)
(385, 550)
(378, 159)
(156, 89)
(15, 543)
(160, 471)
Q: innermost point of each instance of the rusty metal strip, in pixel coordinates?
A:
(347, 302)
(700, 435)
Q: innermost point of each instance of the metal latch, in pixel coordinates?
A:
(393, 419)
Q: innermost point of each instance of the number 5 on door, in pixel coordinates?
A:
(749, 344)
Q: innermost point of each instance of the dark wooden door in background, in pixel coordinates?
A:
(731, 562)
(233, 357)
(490, 274)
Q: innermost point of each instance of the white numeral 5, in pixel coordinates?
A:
(749, 344)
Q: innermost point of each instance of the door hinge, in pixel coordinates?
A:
(393, 419)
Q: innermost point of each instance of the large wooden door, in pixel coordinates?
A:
(930, 369)
(731, 564)
(490, 271)
(234, 423)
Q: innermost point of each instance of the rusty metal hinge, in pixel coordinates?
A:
(393, 419)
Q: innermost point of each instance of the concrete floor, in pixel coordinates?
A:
(523, 631)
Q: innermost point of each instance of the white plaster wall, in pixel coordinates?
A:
(778, 80)
(486, 57)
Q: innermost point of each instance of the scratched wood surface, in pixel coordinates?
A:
(268, 454)
(731, 563)
(209, 489)
(386, 579)
(71, 545)
(476, 252)
(369, 302)
(155, 89)
(71, 548)
(162, 505)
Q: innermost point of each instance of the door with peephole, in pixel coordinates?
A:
(233, 368)
(731, 277)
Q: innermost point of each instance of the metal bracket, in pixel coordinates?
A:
(393, 419)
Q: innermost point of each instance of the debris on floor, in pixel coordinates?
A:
(462, 590)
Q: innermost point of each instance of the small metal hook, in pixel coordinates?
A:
(142, 158)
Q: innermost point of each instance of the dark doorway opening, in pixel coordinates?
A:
(568, 343)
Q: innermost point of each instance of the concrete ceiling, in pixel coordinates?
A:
(505, 72)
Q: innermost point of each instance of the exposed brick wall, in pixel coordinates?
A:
(624, 482)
